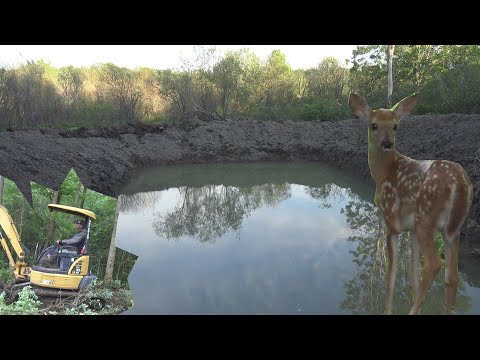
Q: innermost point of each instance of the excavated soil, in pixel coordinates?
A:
(104, 158)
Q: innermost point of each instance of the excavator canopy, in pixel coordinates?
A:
(72, 210)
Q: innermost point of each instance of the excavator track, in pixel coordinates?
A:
(47, 296)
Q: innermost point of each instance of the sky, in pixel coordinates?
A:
(159, 56)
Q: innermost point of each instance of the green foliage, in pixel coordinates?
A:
(98, 299)
(167, 119)
(324, 110)
(27, 303)
(101, 300)
(439, 244)
(269, 113)
(93, 114)
(7, 276)
(446, 76)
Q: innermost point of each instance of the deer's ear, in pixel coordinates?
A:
(359, 106)
(404, 107)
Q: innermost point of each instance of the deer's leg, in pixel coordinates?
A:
(432, 263)
(451, 244)
(392, 255)
(413, 273)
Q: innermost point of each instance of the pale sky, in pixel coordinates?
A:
(159, 56)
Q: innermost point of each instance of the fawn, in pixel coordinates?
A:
(420, 196)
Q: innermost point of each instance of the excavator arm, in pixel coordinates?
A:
(20, 265)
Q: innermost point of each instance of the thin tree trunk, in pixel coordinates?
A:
(2, 181)
(21, 218)
(121, 264)
(77, 193)
(111, 251)
(51, 220)
(84, 195)
(390, 50)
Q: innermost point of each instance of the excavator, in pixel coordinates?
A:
(58, 269)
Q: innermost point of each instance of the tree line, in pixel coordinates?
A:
(238, 85)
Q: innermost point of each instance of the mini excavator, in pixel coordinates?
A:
(57, 268)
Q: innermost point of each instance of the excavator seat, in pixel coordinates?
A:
(66, 256)
(56, 258)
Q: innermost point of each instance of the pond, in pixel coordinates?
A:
(265, 238)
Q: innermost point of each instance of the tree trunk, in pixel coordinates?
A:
(390, 50)
(2, 181)
(84, 195)
(21, 218)
(111, 251)
(51, 220)
(77, 193)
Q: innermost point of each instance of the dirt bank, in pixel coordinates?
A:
(104, 158)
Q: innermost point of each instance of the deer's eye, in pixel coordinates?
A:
(395, 127)
(374, 126)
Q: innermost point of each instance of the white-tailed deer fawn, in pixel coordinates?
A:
(420, 196)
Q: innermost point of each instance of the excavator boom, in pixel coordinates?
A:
(20, 266)
(11, 232)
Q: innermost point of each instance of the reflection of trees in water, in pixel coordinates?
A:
(365, 293)
(137, 202)
(208, 212)
(327, 194)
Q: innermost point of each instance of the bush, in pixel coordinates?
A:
(274, 113)
(27, 303)
(324, 110)
(163, 120)
(95, 114)
(6, 276)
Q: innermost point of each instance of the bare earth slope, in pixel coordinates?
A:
(104, 158)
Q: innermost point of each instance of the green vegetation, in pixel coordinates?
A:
(27, 303)
(237, 85)
(97, 299)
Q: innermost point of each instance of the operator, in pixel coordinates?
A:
(78, 240)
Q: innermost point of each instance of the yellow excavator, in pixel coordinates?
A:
(57, 267)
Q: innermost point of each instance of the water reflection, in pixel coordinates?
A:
(208, 212)
(261, 239)
(365, 292)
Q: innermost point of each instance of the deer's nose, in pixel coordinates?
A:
(387, 144)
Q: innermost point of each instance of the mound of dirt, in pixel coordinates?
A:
(104, 158)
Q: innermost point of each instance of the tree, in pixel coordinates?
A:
(178, 88)
(8, 91)
(227, 75)
(28, 96)
(120, 86)
(327, 80)
(112, 249)
(390, 50)
(367, 74)
(153, 103)
(71, 82)
(51, 220)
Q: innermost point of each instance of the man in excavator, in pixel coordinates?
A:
(77, 240)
